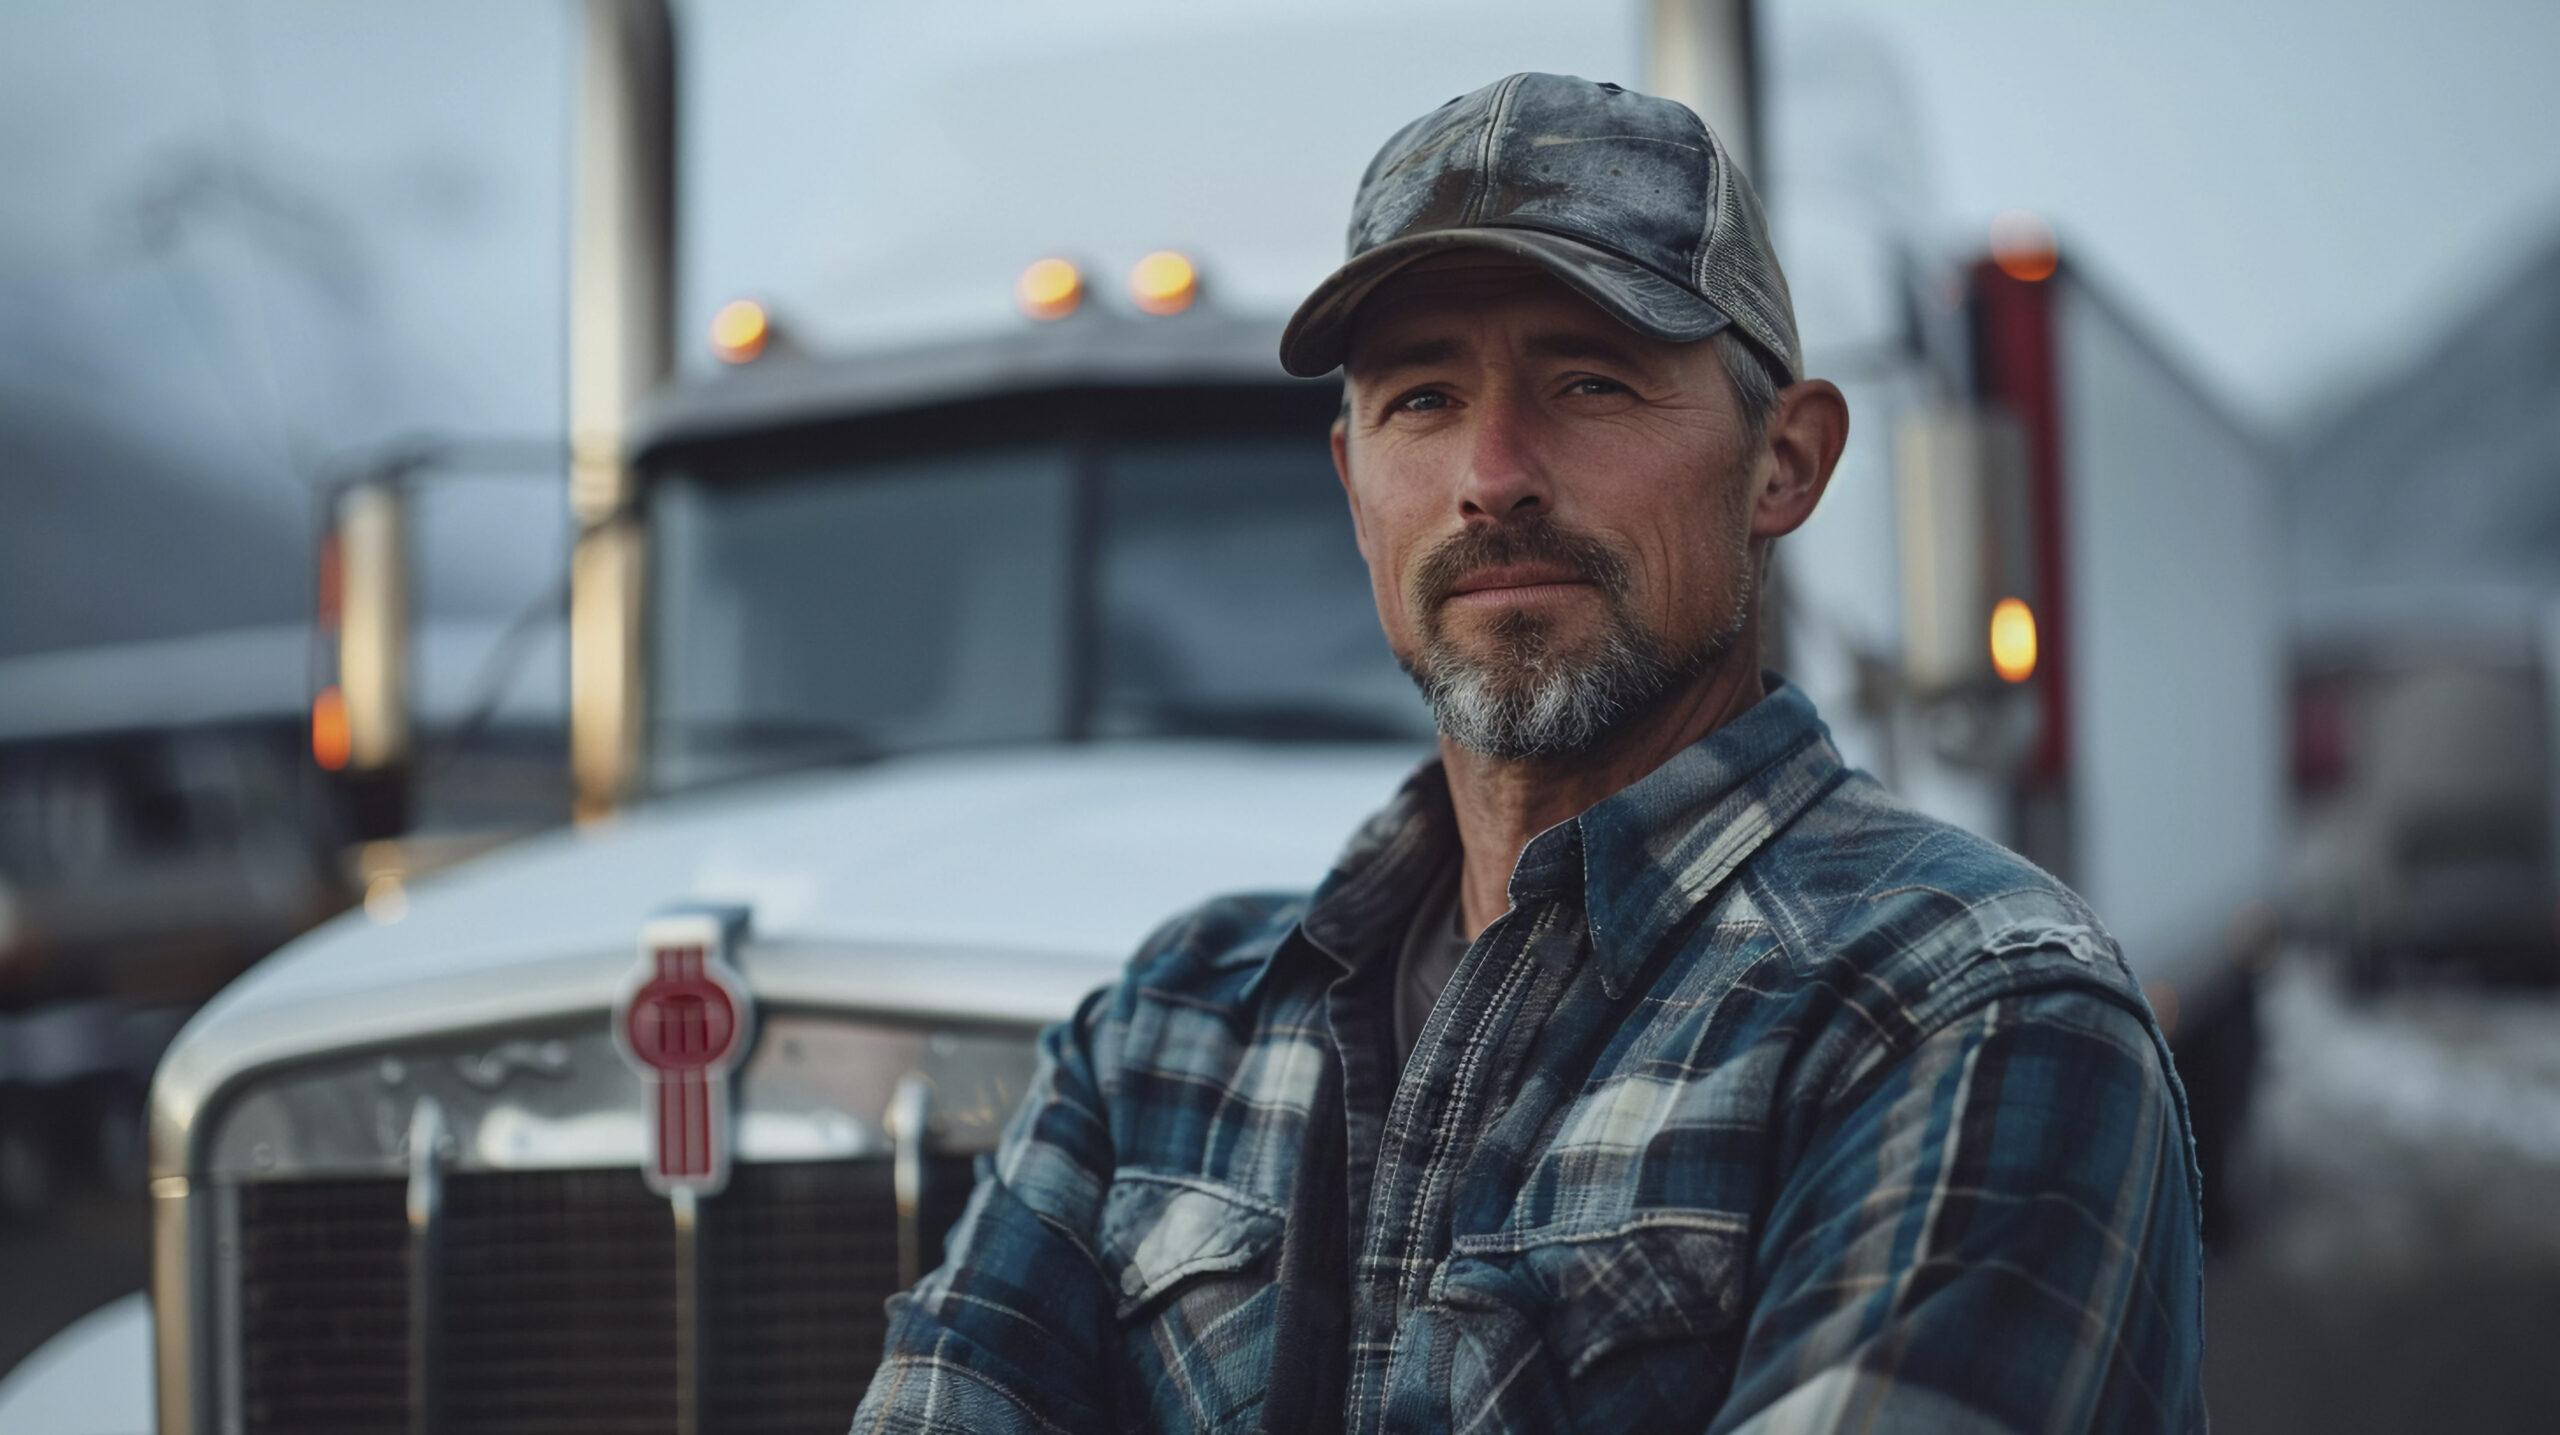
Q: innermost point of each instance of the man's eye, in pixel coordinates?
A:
(1420, 402)
(1594, 384)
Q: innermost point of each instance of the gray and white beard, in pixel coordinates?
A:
(1525, 700)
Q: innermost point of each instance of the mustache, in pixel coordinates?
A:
(1439, 572)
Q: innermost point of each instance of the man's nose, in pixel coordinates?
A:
(1505, 478)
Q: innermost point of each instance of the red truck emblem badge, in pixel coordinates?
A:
(684, 1023)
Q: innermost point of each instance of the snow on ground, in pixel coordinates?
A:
(2405, 1128)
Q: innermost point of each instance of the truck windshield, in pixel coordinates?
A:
(1170, 588)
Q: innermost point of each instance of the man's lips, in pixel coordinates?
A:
(1516, 580)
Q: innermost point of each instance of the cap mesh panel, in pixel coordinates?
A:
(1738, 268)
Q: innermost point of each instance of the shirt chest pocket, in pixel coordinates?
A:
(1161, 1231)
(1657, 1303)
(1190, 1265)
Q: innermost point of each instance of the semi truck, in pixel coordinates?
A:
(965, 666)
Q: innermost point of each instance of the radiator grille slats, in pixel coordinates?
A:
(559, 1304)
(797, 1262)
(558, 1300)
(324, 1306)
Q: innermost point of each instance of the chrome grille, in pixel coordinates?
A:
(557, 1300)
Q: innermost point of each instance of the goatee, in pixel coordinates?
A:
(1531, 696)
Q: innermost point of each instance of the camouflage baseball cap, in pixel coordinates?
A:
(1630, 200)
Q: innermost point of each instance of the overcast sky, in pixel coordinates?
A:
(244, 235)
(2298, 192)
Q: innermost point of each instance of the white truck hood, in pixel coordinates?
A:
(1076, 851)
(988, 886)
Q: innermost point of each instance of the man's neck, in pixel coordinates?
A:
(1502, 803)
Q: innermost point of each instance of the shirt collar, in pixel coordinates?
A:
(1658, 849)
(1643, 858)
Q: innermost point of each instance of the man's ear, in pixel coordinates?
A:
(1342, 470)
(1806, 433)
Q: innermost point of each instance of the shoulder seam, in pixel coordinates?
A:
(1940, 1011)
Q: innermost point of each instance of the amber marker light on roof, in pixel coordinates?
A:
(1164, 283)
(1049, 289)
(2013, 640)
(2022, 245)
(332, 742)
(740, 331)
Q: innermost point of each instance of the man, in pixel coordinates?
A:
(1638, 1067)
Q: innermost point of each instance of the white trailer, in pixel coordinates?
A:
(2044, 598)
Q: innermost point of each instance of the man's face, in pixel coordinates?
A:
(1556, 510)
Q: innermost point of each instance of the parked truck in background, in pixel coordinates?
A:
(2425, 767)
(174, 809)
(158, 833)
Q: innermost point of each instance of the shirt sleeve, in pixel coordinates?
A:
(1997, 1232)
(1005, 1335)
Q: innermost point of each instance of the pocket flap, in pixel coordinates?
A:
(1158, 1231)
(1602, 1293)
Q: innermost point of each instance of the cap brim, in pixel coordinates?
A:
(1319, 334)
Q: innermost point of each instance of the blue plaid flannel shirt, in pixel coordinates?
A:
(1770, 1105)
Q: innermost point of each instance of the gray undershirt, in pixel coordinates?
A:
(1433, 944)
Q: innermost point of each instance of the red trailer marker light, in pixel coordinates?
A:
(2022, 245)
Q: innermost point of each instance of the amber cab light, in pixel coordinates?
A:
(740, 331)
(2013, 640)
(1164, 283)
(1049, 289)
(331, 741)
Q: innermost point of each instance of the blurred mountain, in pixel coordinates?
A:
(105, 540)
(2442, 480)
